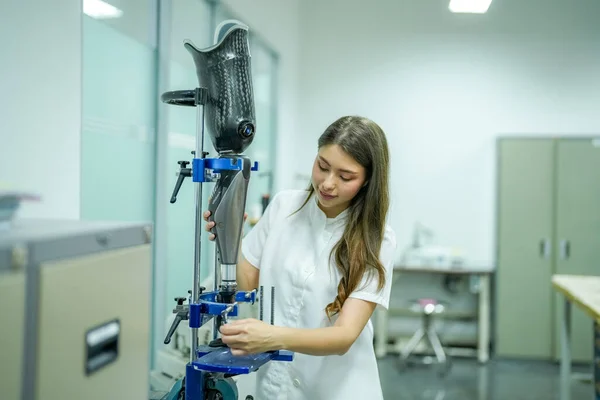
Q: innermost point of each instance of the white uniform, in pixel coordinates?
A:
(292, 254)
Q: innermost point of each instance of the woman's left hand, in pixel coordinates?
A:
(248, 336)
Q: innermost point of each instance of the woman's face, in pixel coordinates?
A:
(336, 178)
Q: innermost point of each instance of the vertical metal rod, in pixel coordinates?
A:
(216, 279)
(260, 304)
(565, 346)
(198, 229)
(483, 341)
(217, 271)
(272, 305)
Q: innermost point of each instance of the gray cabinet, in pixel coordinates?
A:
(548, 223)
(525, 209)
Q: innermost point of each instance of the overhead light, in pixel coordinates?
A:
(100, 10)
(469, 6)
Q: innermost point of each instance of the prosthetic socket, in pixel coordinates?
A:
(224, 70)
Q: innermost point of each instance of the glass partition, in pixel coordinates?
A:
(119, 113)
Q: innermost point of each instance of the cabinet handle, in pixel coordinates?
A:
(545, 248)
(565, 249)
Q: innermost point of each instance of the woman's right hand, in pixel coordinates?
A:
(211, 224)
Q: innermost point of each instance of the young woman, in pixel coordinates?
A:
(329, 253)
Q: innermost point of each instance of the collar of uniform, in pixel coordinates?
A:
(321, 219)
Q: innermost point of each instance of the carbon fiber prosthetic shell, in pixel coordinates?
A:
(224, 69)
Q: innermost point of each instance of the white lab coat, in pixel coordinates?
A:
(292, 253)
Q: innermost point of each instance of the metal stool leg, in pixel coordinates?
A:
(440, 354)
(436, 345)
(412, 343)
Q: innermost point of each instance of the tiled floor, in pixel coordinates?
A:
(467, 380)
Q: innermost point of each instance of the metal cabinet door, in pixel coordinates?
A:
(577, 230)
(84, 301)
(524, 314)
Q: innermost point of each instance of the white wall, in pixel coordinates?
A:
(40, 103)
(444, 86)
(278, 23)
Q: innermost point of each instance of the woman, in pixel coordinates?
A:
(329, 253)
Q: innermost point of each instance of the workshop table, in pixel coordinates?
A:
(483, 274)
(584, 292)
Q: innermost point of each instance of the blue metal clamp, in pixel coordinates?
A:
(200, 167)
(208, 306)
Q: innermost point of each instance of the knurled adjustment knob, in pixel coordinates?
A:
(183, 164)
(180, 300)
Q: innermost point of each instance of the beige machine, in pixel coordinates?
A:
(75, 303)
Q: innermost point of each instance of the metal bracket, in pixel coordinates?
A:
(204, 169)
(208, 306)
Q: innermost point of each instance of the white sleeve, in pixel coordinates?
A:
(254, 241)
(368, 289)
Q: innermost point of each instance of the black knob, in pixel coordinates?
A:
(202, 289)
(183, 172)
(246, 129)
(180, 300)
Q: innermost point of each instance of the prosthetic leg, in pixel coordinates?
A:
(224, 102)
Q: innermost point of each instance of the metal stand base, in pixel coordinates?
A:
(426, 331)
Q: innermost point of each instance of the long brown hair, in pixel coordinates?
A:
(357, 252)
